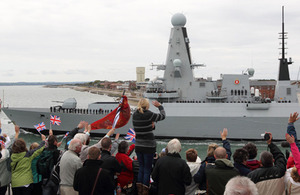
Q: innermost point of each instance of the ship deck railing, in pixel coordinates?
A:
(161, 95)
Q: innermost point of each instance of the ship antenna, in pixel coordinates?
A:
(283, 66)
(282, 36)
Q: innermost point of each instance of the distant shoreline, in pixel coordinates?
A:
(132, 96)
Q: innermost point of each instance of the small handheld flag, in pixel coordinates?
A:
(2, 143)
(39, 127)
(65, 136)
(130, 135)
(55, 120)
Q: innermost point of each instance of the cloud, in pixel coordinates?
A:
(7, 73)
(64, 40)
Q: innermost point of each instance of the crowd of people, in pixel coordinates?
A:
(110, 166)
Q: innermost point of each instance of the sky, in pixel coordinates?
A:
(76, 40)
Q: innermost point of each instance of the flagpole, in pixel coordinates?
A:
(62, 139)
(118, 111)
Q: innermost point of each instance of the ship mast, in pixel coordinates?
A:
(283, 62)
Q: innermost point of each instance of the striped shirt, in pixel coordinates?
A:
(142, 123)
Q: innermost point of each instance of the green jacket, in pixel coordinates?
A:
(218, 175)
(21, 166)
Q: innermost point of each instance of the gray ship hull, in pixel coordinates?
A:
(184, 120)
(206, 120)
(27, 117)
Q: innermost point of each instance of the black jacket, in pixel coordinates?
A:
(70, 136)
(171, 173)
(85, 177)
(274, 172)
(110, 163)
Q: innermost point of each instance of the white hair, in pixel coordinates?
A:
(74, 144)
(82, 137)
(174, 146)
(240, 185)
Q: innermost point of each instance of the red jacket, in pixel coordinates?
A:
(126, 175)
(253, 164)
(290, 162)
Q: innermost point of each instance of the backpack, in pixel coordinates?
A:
(45, 163)
(54, 177)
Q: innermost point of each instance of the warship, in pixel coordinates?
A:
(195, 108)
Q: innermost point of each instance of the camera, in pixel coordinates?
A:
(266, 136)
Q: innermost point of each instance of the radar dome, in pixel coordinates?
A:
(251, 71)
(177, 62)
(178, 20)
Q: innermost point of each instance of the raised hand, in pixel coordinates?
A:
(117, 136)
(43, 137)
(87, 128)
(224, 134)
(293, 117)
(111, 132)
(271, 137)
(290, 138)
(58, 144)
(156, 103)
(82, 124)
(17, 130)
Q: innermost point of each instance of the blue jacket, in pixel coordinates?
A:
(291, 130)
(243, 169)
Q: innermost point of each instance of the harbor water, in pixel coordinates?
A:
(40, 96)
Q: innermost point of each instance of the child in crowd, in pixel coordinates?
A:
(194, 162)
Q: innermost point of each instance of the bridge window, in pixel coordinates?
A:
(288, 91)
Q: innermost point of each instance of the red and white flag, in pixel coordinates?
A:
(115, 119)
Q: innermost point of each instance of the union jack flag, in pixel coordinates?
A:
(41, 126)
(55, 120)
(66, 135)
(130, 135)
(2, 143)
